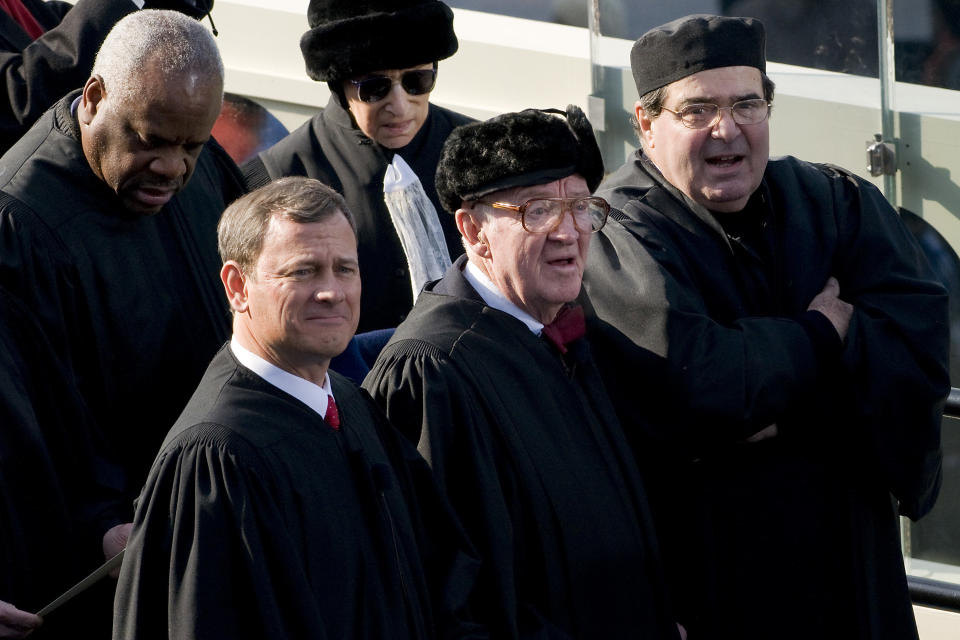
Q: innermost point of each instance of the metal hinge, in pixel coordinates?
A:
(881, 157)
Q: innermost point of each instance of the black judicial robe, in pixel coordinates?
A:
(796, 536)
(331, 149)
(530, 454)
(53, 512)
(260, 521)
(133, 305)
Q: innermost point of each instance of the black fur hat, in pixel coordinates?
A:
(517, 150)
(695, 43)
(351, 37)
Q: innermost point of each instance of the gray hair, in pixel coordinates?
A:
(243, 225)
(652, 102)
(169, 41)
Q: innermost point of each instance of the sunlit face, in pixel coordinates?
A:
(395, 120)
(720, 166)
(145, 148)
(538, 272)
(302, 305)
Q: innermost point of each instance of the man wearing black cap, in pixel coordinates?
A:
(491, 373)
(795, 413)
(379, 58)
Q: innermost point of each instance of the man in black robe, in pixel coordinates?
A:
(283, 504)
(491, 373)
(108, 212)
(47, 49)
(379, 58)
(795, 412)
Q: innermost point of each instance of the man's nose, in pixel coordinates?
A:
(170, 163)
(726, 127)
(566, 225)
(329, 290)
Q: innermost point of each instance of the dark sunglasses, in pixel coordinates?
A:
(376, 88)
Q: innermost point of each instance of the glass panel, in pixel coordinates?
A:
(927, 35)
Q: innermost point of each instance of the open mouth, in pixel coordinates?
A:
(562, 262)
(724, 161)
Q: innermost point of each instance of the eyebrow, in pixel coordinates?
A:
(753, 95)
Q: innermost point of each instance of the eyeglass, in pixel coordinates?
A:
(376, 88)
(704, 114)
(543, 215)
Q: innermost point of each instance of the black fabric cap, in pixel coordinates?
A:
(352, 37)
(695, 43)
(517, 150)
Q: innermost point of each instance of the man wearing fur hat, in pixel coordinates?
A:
(806, 346)
(379, 58)
(492, 374)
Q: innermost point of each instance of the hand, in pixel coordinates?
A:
(15, 623)
(115, 541)
(193, 8)
(764, 434)
(837, 311)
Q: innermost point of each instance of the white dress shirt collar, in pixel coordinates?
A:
(303, 390)
(494, 298)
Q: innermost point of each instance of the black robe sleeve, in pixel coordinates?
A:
(730, 380)
(209, 556)
(430, 402)
(738, 370)
(895, 357)
(53, 508)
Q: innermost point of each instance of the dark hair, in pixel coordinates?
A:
(652, 101)
(243, 226)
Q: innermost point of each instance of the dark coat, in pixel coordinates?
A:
(53, 513)
(38, 73)
(133, 305)
(258, 520)
(330, 148)
(530, 454)
(795, 534)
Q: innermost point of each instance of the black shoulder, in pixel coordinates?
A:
(229, 171)
(450, 118)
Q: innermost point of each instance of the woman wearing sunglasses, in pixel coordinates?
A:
(379, 58)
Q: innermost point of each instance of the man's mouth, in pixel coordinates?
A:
(724, 161)
(562, 262)
(154, 196)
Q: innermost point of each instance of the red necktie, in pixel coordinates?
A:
(333, 416)
(568, 326)
(24, 18)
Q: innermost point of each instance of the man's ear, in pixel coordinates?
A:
(234, 285)
(93, 93)
(646, 124)
(468, 222)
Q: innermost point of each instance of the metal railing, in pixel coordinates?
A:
(936, 593)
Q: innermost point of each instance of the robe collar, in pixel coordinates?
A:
(495, 299)
(314, 396)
